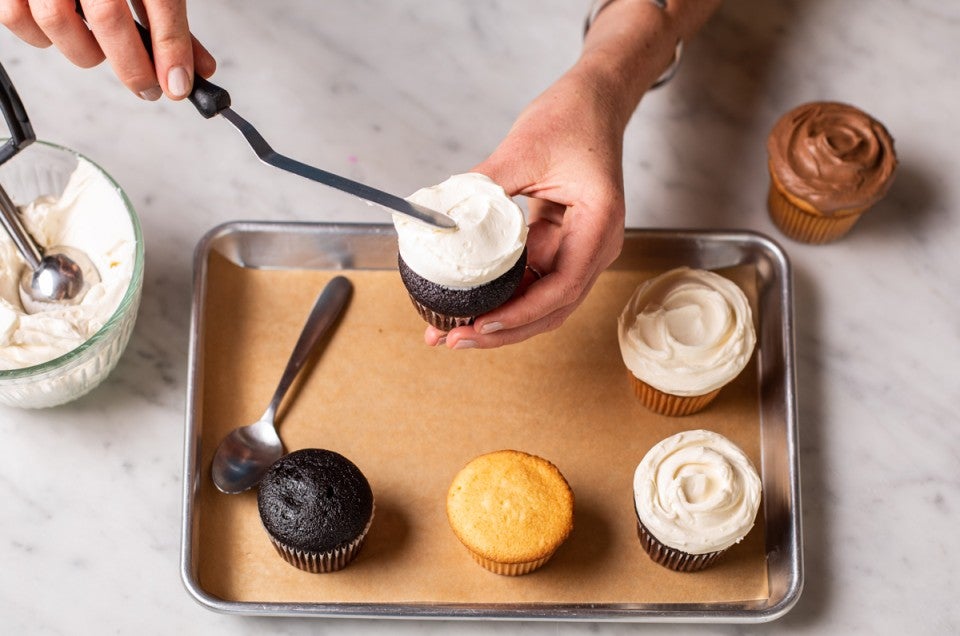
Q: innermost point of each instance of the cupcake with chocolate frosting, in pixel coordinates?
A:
(829, 163)
(454, 276)
(696, 494)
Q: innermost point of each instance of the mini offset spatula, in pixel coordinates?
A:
(211, 100)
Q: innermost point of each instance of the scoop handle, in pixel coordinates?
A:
(208, 98)
(21, 131)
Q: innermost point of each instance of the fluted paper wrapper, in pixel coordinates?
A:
(443, 322)
(671, 557)
(509, 569)
(410, 416)
(808, 227)
(667, 404)
(321, 562)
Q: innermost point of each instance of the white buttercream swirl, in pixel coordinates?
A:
(90, 215)
(490, 236)
(686, 332)
(697, 492)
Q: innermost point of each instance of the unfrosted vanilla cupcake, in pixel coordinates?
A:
(684, 335)
(511, 510)
(454, 276)
(696, 494)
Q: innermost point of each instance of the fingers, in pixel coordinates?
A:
(112, 24)
(16, 16)
(204, 64)
(59, 22)
(110, 32)
(173, 46)
(469, 338)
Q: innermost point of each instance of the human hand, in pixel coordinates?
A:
(112, 35)
(565, 153)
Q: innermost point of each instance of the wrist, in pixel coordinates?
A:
(632, 43)
(628, 44)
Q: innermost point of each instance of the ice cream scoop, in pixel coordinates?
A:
(57, 275)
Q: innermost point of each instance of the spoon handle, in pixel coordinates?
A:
(324, 313)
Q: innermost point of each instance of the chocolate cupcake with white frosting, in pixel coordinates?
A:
(316, 507)
(454, 276)
(696, 494)
(683, 336)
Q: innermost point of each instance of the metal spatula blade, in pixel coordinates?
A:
(394, 203)
(212, 100)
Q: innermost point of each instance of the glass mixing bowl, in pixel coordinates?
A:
(44, 169)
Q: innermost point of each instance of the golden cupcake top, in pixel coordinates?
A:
(832, 155)
(510, 506)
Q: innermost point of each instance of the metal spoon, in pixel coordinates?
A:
(247, 452)
(53, 277)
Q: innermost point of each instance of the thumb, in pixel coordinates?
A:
(505, 170)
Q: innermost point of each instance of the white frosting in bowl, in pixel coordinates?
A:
(490, 236)
(697, 492)
(89, 215)
(686, 332)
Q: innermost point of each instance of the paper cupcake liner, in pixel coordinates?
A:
(672, 558)
(807, 227)
(667, 404)
(322, 562)
(438, 320)
(509, 569)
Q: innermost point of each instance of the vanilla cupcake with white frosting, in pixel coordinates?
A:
(683, 336)
(696, 494)
(454, 276)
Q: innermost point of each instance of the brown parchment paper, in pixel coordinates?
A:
(411, 416)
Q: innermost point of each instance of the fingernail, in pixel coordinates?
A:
(465, 344)
(178, 81)
(152, 94)
(491, 327)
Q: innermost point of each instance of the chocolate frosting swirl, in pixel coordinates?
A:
(832, 155)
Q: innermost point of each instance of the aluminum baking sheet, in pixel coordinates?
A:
(304, 246)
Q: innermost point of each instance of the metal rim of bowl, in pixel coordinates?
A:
(128, 296)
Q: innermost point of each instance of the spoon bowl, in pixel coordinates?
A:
(247, 452)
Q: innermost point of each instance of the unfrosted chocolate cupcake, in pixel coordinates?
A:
(316, 507)
(454, 276)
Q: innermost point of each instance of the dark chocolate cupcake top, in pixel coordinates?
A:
(463, 302)
(315, 500)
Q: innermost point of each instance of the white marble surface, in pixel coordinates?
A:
(403, 94)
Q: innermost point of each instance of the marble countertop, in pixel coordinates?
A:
(90, 531)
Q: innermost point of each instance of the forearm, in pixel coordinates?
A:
(631, 42)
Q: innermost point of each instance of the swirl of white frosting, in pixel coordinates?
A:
(697, 492)
(89, 215)
(687, 332)
(490, 236)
